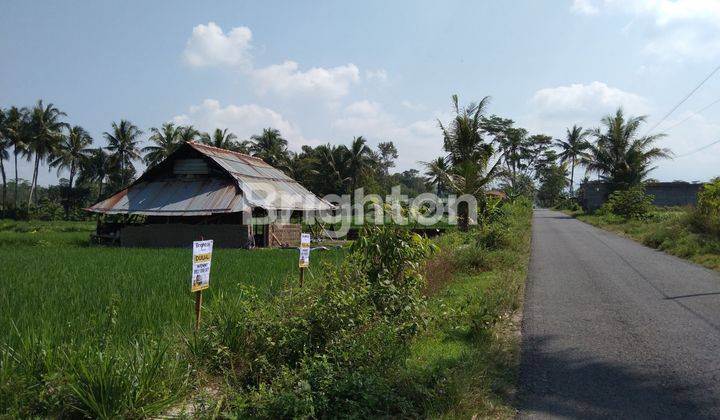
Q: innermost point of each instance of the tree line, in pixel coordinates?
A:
(484, 150)
(480, 151)
(41, 135)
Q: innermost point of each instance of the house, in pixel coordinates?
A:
(203, 191)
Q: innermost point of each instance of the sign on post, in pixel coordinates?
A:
(202, 257)
(304, 250)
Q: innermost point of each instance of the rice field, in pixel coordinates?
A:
(56, 287)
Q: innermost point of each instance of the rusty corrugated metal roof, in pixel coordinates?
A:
(261, 184)
(257, 184)
(175, 198)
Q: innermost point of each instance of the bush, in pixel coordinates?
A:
(706, 216)
(568, 203)
(331, 349)
(632, 203)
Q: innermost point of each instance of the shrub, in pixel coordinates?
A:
(331, 349)
(567, 203)
(632, 203)
(706, 216)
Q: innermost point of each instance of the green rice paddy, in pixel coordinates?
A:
(55, 286)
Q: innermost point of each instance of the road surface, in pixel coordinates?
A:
(612, 329)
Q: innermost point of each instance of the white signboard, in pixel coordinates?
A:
(202, 257)
(304, 250)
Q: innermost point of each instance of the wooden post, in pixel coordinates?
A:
(198, 302)
(302, 276)
(198, 305)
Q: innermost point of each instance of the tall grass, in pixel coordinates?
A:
(96, 331)
(672, 230)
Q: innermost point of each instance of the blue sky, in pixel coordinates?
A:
(327, 71)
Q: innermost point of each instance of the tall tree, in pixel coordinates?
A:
(4, 146)
(435, 172)
(96, 168)
(270, 146)
(72, 152)
(388, 154)
(167, 141)
(224, 139)
(469, 155)
(16, 131)
(46, 129)
(621, 157)
(187, 133)
(123, 144)
(573, 150)
(358, 161)
(329, 168)
(70, 155)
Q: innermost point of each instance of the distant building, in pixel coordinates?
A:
(203, 191)
(593, 194)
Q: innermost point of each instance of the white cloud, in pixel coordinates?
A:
(683, 43)
(412, 105)
(287, 80)
(417, 141)
(243, 120)
(593, 97)
(584, 7)
(379, 75)
(668, 11)
(677, 29)
(209, 46)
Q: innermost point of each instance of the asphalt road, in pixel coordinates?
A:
(612, 329)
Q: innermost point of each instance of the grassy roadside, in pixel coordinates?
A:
(470, 349)
(667, 229)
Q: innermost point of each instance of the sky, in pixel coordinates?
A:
(324, 72)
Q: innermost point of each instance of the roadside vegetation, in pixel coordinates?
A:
(397, 326)
(687, 232)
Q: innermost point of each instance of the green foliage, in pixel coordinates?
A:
(631, 203)
(673, 230)
(333, 348)
(706, 216)
(567, 203)
(619, 155)
(553, 180)
(338, 347)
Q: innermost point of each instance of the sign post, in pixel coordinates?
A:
(200, 280)
(304, 255)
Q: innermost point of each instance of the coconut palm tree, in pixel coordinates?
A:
(16, 131)
(470, 157)
(70, 155)
(97, 167)
(359, 161)
(621, 157)
(187, 133)
(224, 139)
(270, 146)
(329, 168)
(166, 139)
(123, 145)
(435, 171)
(46, 131)
(72, 152)
(573, 150)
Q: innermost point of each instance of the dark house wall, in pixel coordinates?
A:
(595, 193)
(176, 235)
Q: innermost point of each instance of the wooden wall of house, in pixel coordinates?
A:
(177, 235)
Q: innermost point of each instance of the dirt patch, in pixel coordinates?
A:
(438, 273)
